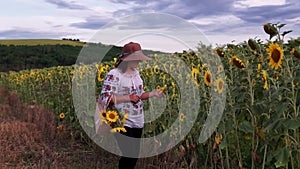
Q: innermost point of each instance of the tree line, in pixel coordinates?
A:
(19, 57)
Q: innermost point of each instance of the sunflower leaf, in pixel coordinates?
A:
(246, 127)
(223, 144)
(292, 123)
(282, 158)
(286, 32)
(281, 25)
(274, 125)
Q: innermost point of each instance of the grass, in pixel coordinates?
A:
(33, 42)
(30, 138)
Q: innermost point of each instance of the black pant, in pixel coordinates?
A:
(129, 147)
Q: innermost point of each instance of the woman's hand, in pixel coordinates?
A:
(134, 98)
(155, 93)
(158, 93)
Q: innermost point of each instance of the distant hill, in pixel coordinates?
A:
(33, 42)
(22, 54)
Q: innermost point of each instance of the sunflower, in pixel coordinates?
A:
(253, 45)
(296, 52)
(275, 55)
(204, 66)
(162, 89)
(218, 139)
(124, 118)
(195, 73)
(62, 115)
(237, 62)
(207, 78)
(173, 85)
(220, 52)
(275, 77)
(118, 129)
(219, 85)
(181, 117)
(112, 116)
(258, 67)
(220, 69)
(270, 29)
(155, 69)
(103, 114)
(264, 73)
(101, 70)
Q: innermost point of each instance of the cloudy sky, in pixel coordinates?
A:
(219, 21)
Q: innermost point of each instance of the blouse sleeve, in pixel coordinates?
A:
(110, 86)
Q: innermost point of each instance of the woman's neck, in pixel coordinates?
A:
(130, 71)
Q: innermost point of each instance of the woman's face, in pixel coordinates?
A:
(133, 64)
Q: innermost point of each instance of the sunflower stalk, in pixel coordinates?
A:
(238, 150)
(235, 124)
(221, 157)
(294, 104)
(226, 149)
(294, 107)
(253, 121)
(265, 156)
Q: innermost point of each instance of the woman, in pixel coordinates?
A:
(125, 86)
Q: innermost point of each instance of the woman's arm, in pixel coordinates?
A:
(156, 93)
(125, 98)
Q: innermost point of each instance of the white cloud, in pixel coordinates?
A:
(295, 20)
(257, 3)
(219, 20)
(36, 22)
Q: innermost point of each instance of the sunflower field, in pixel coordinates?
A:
(259, 126)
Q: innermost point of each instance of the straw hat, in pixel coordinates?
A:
(133, 51)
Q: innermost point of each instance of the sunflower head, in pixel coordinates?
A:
(207, 78)
(275, 55)
(275, 77)
(118, 129)
(258, 67)
(265, 76)
(124, 118)
(103, 114)
(218, 139)
(181, 117)
(220, 69)
(253, 45)
(204, 66)
(296, 52)
(112, 116)
(270, 29)
(62, 115)
(195, 73)
(220, 52)
(219, 85)
(265, 79)
(237, 62)
(155, 69)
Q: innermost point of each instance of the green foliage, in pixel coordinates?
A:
(16, 55)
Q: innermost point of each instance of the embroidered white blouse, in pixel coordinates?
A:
(119, 83)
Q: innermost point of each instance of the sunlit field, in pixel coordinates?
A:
(30, 42)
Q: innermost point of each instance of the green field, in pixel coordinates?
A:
(32, 42)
